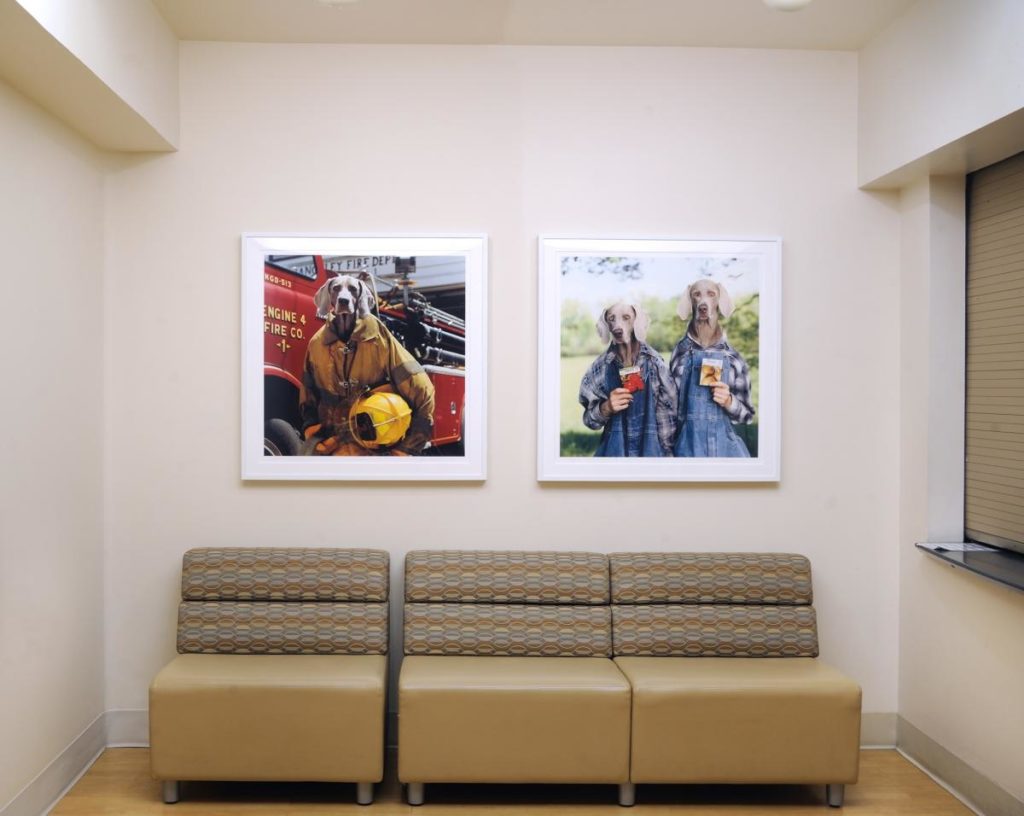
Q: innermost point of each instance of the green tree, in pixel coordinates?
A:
(665, 327)
(625, 269)
(578, 335)
(743, 327)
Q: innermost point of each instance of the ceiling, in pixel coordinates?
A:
(824, 25)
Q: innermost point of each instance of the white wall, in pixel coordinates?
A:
(941, 90)
(127, 46)
(961, 650)
(941, 93)
(511, 142)
(51, 548)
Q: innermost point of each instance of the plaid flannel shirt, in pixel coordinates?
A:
(741, 411)
(594, 391)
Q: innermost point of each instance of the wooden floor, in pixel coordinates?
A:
(119, 785)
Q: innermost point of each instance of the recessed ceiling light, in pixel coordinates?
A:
(782, 5)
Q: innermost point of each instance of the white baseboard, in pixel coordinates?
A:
(128, 728)
(878, 729)
(39, 796)
(967, 784)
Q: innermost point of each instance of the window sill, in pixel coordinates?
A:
(1002, 566)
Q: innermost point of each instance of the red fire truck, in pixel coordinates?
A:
(422, 302)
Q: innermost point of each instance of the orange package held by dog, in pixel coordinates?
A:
(710, 371)
(632, 380)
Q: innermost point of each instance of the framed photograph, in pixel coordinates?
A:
(363, 357)
(660, 360)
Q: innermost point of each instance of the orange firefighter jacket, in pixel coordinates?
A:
(337, 373)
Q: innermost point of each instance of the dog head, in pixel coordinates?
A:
(621, 322)
(704, 301)
(343, 295)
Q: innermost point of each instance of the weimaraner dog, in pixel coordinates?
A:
(700, 306)
(343, 299)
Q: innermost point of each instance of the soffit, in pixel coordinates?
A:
(824, 25)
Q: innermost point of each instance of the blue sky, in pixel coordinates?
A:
(661, 275)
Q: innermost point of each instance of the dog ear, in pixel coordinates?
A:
(602, 327)
(685, 306)
(322, 300)
(364, 303)
(725, 305)
(641, 323)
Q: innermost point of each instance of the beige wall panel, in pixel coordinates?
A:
(51, 548)
(959, 634)
(940, 90)
(511, 142)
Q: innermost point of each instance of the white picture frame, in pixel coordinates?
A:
(276, 331)
(579, 278)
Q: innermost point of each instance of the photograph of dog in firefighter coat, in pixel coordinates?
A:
(362, 392)
(712, 380)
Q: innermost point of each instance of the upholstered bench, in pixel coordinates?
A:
(507, 675)
(281, 673)
(721, 651)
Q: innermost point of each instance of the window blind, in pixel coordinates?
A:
(994, 478)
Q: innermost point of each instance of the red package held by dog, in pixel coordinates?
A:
(631, 379)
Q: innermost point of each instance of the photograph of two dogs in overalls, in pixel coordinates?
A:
(662, 354)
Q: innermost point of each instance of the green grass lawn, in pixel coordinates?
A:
(578, 440)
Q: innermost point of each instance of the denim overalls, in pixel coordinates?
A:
(633, 432)
(705, 429)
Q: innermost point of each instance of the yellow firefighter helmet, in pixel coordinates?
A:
(379, 419)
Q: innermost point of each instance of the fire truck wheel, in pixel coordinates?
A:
(280, 439)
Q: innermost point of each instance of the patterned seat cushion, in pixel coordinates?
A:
(284, 574)
(710, 578)
(272, 600)
(503, 576)
(682, 630)
(241, 627)
(509, 630)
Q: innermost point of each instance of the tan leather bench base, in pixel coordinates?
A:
(742, 720)
(314, 718)
(513, 719)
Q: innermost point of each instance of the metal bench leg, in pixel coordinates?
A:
(414, 793)
(627, 794)
(834, 794)
(171, 791)
(364, 793)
